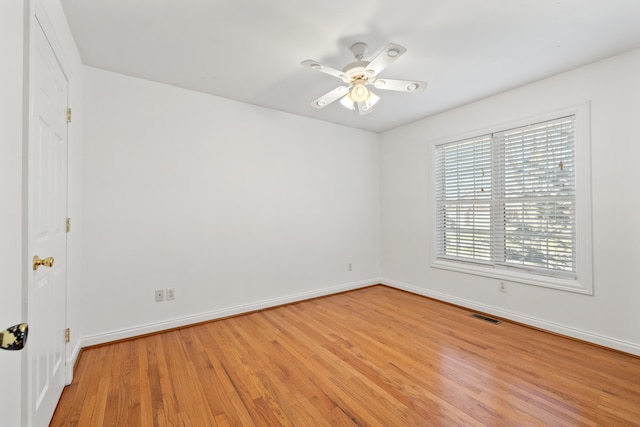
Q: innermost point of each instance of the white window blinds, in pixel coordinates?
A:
(463, 183)
(508, 199)
(534, 207)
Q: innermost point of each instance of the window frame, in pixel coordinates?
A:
(583, 281)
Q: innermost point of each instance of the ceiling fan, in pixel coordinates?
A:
(357, 75)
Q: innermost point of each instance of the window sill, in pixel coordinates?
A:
(570, 285)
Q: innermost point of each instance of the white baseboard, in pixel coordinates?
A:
(621, 345)
(71, 361)
(217, 314)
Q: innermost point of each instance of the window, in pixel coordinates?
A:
(506, 205)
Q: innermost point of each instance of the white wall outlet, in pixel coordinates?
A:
(159, 295)
(171, 294)
(502, 287)
(350, 267)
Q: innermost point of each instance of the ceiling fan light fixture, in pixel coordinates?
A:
(359, 93)
(371, 100)
(348, 103)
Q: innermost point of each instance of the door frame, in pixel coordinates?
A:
(12, 82)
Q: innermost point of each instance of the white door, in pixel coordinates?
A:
(47, 206)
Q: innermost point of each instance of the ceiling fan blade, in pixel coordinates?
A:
(400, 85)
(323, 68)
(330, 97)
(383, 59)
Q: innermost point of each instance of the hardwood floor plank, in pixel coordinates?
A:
(300, 394)
(221, 389)
(329, 363)
(371, 357)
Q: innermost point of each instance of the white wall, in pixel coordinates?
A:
(11, 93)
(609, 317)
(235, 206)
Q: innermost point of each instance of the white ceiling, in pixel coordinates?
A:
(250, 50)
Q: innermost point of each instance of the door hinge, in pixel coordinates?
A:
(68, 225)
(68, 115)
(67, 335)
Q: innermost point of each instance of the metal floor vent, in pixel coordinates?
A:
(486, 319)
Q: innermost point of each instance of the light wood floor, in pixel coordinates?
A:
(370, 357)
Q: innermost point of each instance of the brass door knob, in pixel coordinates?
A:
(37, 262)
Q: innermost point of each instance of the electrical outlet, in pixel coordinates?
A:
(159, 295)
(350, 267)
(171, 294)
(502, 287)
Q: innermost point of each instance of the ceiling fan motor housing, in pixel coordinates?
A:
(354, 70)
(359, 50)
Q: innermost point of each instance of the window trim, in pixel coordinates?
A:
(583, 283)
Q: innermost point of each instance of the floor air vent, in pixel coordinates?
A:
(486, 319)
